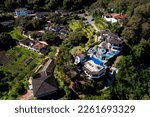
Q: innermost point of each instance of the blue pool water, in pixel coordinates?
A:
(102, 50)
(97, 61)
(93, 51)
(110, 55)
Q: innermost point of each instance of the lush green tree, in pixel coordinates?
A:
(6, 41)
(143, 10)
(130, 36)
(21, 21)
(51, 38)
(52, 4)
(16, 33)
(76, 38)
(10, 4)
(67, 4)
(141, 53)
(146, 30)
(37, 23)
(5, 17)
(98, 7)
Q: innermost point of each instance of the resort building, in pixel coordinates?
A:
(93, 61)
(94, 68)
(90, 65)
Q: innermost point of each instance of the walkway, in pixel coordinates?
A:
(57, 52)
(28, 95)
(90, 20)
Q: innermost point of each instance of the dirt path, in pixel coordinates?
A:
(28, 95)
(57, 52)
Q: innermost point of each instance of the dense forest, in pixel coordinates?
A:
(10, 5)
(133, 79)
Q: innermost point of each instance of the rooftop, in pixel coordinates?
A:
(48, 67)
(45, 84)
(81, 54)
(18, 9)
(94, 66)
(116, 15)
(111, 37)
(39, 46)
(27, 42)
(42, 14)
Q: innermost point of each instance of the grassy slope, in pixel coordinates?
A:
(17, 66)
(100, 23)
(16, 34)
(88, 30)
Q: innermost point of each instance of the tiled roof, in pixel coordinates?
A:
(117, 15)
(39, 46)
(44, 86)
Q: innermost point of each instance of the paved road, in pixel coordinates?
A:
(89, 20)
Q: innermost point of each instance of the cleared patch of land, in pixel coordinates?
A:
(19, 61)
(86, 28)
(16, 65)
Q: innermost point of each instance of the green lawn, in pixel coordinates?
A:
(16, 34)
(87, 29)
(76, 24)
(100, 23)
(73, 50)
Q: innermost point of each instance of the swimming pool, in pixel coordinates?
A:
(110, 55)
(93, 51)
(97, 61)
(103, 51)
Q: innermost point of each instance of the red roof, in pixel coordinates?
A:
(39, 45)
(20, 9)
(117, 15)
(80, 54)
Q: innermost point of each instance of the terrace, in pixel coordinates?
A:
(94, 68)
